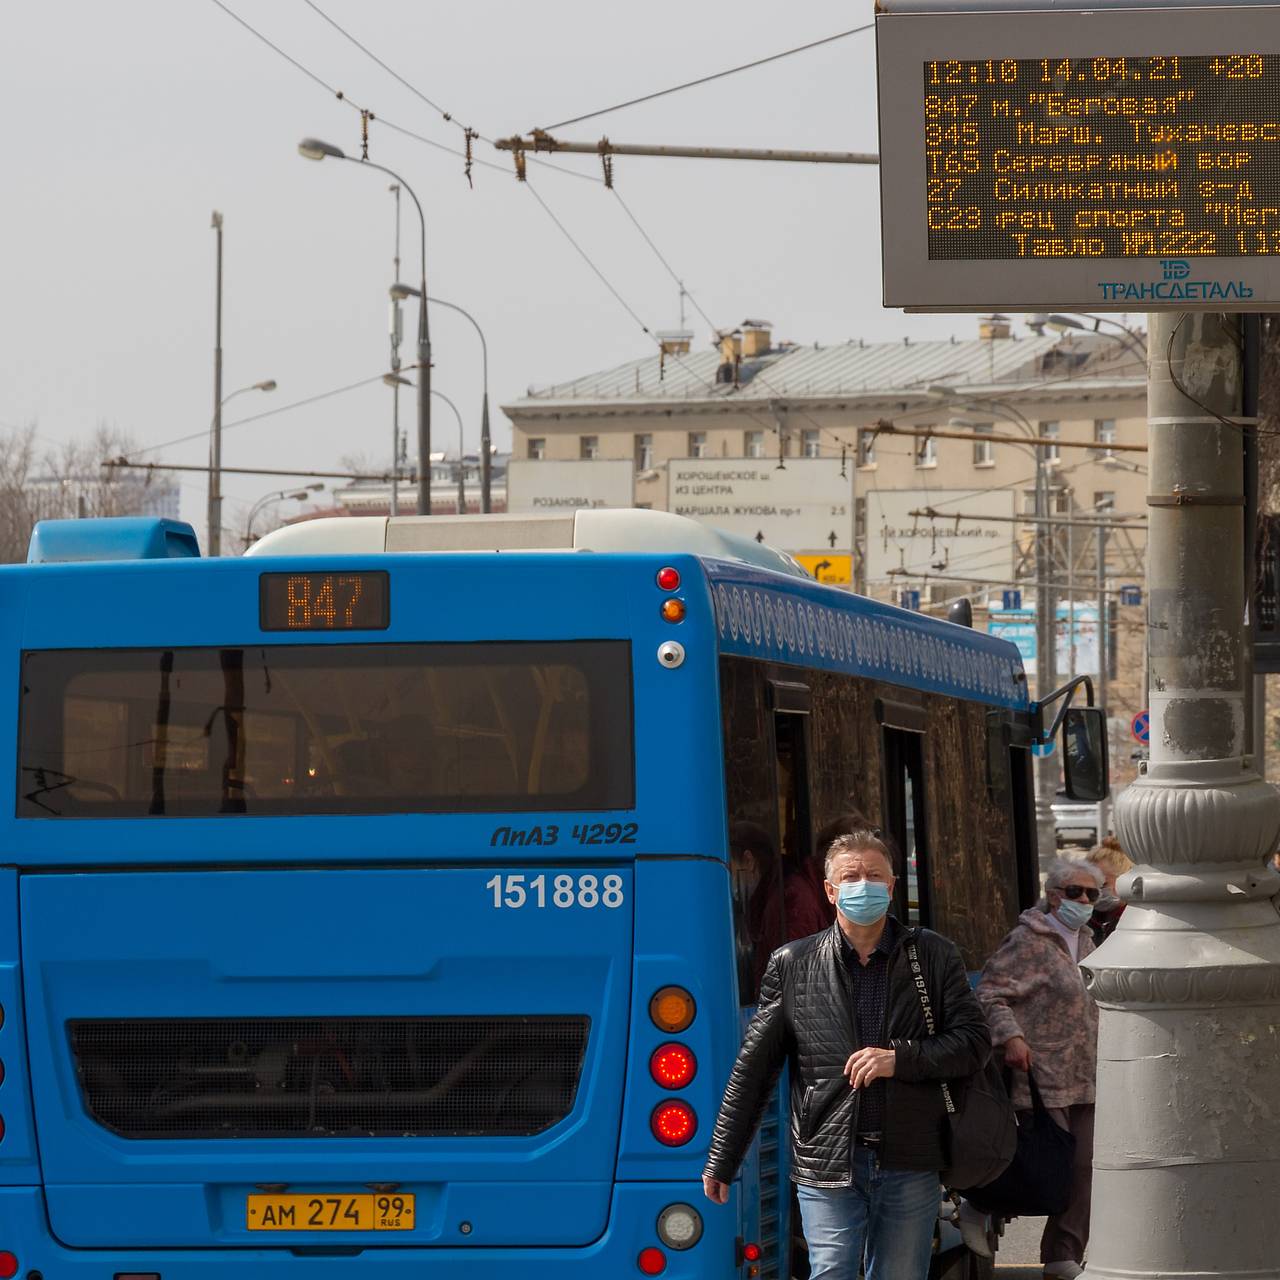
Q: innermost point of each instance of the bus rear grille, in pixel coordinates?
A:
(329, 1077)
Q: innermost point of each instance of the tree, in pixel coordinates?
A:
(68, 481)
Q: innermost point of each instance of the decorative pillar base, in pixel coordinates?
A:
(1186, 1176)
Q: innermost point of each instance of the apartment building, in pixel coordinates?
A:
(905, 422)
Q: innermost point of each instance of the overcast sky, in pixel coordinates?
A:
(129, 122)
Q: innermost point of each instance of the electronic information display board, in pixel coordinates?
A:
(1122, 159)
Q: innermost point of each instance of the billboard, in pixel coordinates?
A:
(538, 485)
(1060, 160)
(806, 506)
(1076, 636)
(969, 547)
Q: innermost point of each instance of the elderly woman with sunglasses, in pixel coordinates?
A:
(1043, 1020)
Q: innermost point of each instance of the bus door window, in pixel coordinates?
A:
(755, 877)
(904, 811)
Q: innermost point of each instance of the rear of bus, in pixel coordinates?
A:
(363, 914)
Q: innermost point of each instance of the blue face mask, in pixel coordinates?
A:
(1074, 914)
(863, 901)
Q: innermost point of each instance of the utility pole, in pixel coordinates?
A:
(213, 539)
(1187, 1146)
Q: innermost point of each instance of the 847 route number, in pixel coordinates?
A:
(564, 891)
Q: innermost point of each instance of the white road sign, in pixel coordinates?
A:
(976, 548)
(538, 485)
(805, 506)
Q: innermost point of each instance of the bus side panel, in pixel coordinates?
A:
(683, 937)
(19, 1158)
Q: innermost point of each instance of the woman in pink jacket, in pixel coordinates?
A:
(1042, 1019)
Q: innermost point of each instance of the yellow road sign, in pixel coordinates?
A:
(828, 568)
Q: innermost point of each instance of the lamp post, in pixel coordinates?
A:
(279, 495)
(315, 149)
(214, 533)
(1126, 335)
(401, 291)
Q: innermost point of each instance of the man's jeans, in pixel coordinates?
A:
(888, 1214)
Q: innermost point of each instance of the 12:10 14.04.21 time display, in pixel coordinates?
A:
(1156, 69)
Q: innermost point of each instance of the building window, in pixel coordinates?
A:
(926, 451)
(1104, 501)
(537, 448)
(753, 444)
(866, 448)
(1051, 431)
(1104, 435)
(983, 455)
(588, 447)
(697, 444)
(644, 453)
(810, 445)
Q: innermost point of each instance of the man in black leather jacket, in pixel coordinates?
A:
(868, 1119)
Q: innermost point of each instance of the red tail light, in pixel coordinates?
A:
(673, 1066)
(673, 1123)
(653, 1262)
(669, 578)
(8, 1265)
(751, 1252)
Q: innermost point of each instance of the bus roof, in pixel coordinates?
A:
(633, 531)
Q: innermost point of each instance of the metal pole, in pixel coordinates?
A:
(545, 142)
(486, 450)
(1046, 664)
(1104, 637)
(1187, 1148)
(213, 538)
(395, 368)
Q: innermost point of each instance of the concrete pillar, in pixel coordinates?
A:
(1187, 1155)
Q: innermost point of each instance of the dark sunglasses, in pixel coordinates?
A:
(1078, 891)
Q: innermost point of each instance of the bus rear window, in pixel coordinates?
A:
(307, 729)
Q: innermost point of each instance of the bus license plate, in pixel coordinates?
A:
(381, 1212)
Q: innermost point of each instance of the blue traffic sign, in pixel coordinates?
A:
(1011, 599)
(1042, 749)
(1130, 594)
(1140, 726)
(909, 599)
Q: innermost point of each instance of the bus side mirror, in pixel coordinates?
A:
(1084, 754)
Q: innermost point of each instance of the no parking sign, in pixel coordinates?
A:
(1140, 727)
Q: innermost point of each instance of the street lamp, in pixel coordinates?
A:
(278, 495)
(1062, 323)
(213, 538)
(315, 149)
(399, 292)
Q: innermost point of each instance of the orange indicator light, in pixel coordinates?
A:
(672, 1009)
(673, 610)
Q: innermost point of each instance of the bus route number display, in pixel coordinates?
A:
(341, 601)
(1103, 157)
(1079, 159)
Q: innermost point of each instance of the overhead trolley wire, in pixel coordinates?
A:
(266, 413)
(717, 75)
(376, 117)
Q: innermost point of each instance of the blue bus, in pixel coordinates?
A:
(372, 903)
